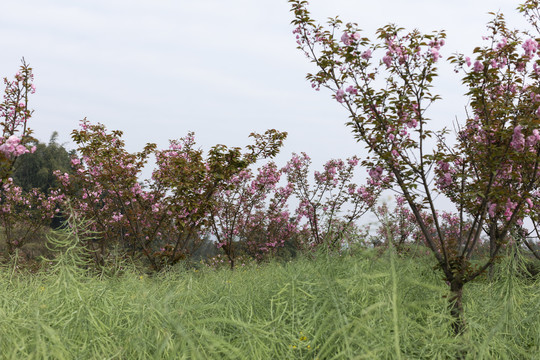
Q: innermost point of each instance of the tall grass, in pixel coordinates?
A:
(332, 307)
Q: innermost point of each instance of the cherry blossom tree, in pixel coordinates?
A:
(386, 87)
(333, 204)
(22, 214)
(252, 212)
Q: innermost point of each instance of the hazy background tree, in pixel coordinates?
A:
(36, 170)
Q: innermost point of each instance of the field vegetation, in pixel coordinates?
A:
(360, 304)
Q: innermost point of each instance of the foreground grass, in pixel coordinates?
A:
(357, 307)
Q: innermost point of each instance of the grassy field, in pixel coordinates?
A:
(332, 307)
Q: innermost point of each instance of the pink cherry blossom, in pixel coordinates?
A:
(478, 66)
(346, 39)
(366, 55)
(339, 95)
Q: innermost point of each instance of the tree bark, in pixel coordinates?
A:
(456, 306)
(492, 249)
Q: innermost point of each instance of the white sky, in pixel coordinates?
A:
(159, 68)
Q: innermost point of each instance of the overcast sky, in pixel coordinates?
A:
(157, 69)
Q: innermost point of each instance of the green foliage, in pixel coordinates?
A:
(332, 307)
(36, 170)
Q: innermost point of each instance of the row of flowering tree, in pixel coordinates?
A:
(189, 195)
(490, 173)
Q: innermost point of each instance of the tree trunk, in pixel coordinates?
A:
(492, 249)
(456, 311)
(229, 250)
(456, 306)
